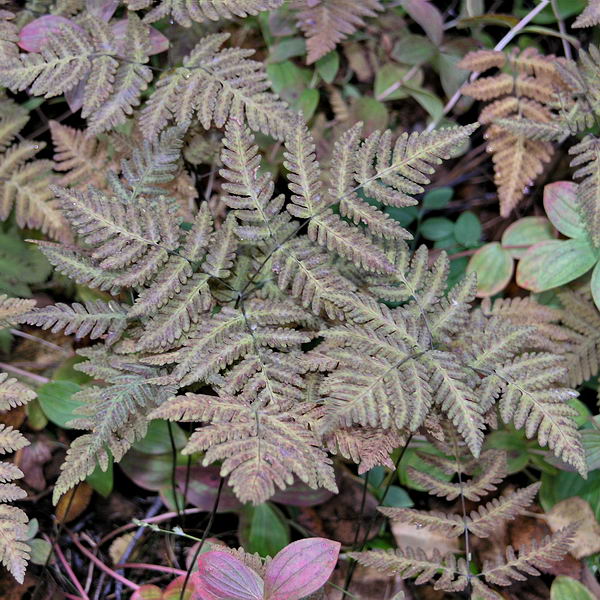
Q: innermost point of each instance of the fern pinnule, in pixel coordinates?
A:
(11, 309)
(590, 15)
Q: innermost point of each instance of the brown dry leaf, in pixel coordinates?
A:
(359, 61)
(367, 584)
(406, 534)
(118, 547)
(14, 417)
(587, 537)
(81, 499)
(31, 461)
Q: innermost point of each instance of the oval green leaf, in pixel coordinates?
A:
(494, 267)
(467, 229)
(263, 530)
(526, 232)
(56, 401)
(567, 588)
(436, 228)
(560, 204)
(547, 265)
(596, 285)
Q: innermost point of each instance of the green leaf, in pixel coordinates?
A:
(68, 371)
(591, 443)
(566, 484)
(405, 215)
(526, 232)
(56, 401)
(438, 198)
(102, 481)
(467, 229)
(287, 79)
(547, 265)
(428, 100)
(398, 497)
(567, 588)
(328, 66)
(494, 267)
(263, 530)
(387, 79)
(308, 102)
(560, 204)
(157, 439)
(40, 551)
(371, 112)
(413, 50)
(436, 228)
(36, 419)
(287, 48)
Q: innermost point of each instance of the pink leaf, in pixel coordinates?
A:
(158, 42)
(301, 569)
(34, 35)
(102, 9)
(202, 488)
(221, 576)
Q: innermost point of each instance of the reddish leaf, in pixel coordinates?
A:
(203, 486)
(428, 17)
(102, 9)
(173, 590)
(301, 569)
(299, 494)
(221, 576)
(34, 35)
(560, 203)
(147, 592)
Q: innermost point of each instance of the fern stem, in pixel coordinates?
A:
(562, 29)
(213, 512)
(149, 567)
(22, 373)
(34, 338)
(174, 472)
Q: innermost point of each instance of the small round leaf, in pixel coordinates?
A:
(467, 229)
(547, 265)
(526, 232)
(494, 268)
(436, 228)
(560, 203)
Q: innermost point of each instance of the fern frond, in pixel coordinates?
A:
(11, 309)
(529, 558)
(493, 471)
(250, 440)
(13, 117)
(116, 416)
(482, 60)
(409, 562)
(485, 520)
(13, 393)
(130, 80)
(11, 439)
(223, 245)
(587, 154)
(82, 158)
(447, 524)
(14, 551)
(214, 83)
(325, 23)
(200, 11)
(96, 318)
(63, 61)
(365, 446)
(590, 16)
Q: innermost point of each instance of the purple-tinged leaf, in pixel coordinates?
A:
(203, 486)
(158, 42)
(74, 96)
(221, 576)
(299, 494)
(34, 35)
(428, 17)
(102, 9)
(301, 569)
(560, 203)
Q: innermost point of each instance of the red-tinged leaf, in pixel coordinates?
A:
(147, 592)
(547, 265)
(158, 42)
(34, 35)
(525, 232)
(173, 590)
(301, 569)
(299, 494)
(428, 17)
(494, 268)
(74, 96)
(221, 576)
(202, 488)
(102, 9)
(560, 203)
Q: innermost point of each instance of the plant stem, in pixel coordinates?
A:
(22, 373)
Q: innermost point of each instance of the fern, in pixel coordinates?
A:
(590, 16)
(199, 11)
(211, 84)
(325, 23)
(527, 93)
